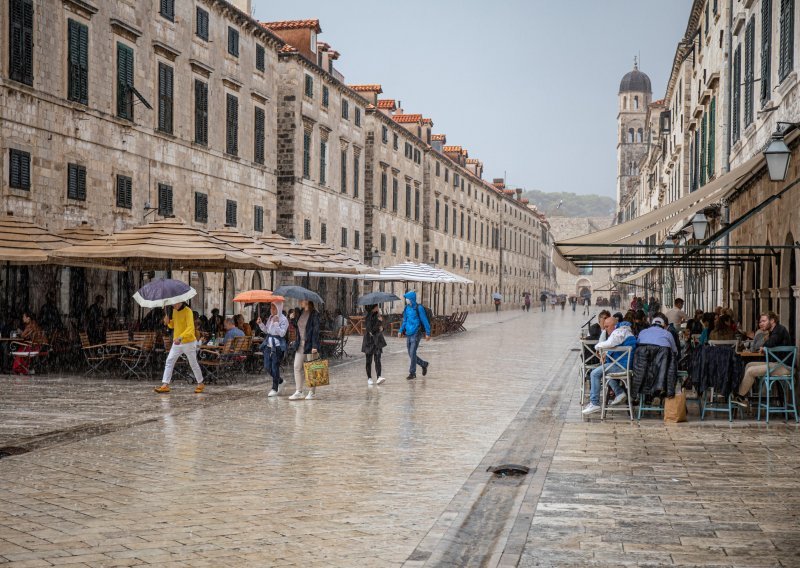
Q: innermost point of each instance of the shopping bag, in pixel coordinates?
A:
(316, 373)
(675, 408)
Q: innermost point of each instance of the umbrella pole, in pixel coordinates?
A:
(8, 293)
(224, 291)
(272, 279)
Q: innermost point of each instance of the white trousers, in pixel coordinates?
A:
(188, 349)
(299, 370)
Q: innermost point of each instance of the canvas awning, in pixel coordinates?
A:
(23, 242)
(316, 257)
(563, 264)
(413, 272)
(81, 234)
(258, 248)
(613, 239)
(168, 244)
(634, 277)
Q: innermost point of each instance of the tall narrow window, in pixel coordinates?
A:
(384, 134)
(258, 218)
(446, 217)
(326, 96)
(200, 207)
(416, 205)
(309, 86)
(436, 215)
(737, 93)
(261, 64)
(357, 240)
(357, 117)
(259, 134)
(78, 62)
(165, 98)
(306, 154)
(233, 41)
(384, 190)
(395, 141)
(323, 162)
(356, 168)
(307, 229)
(749, 67)
(323, 233)
(343, 171)
(230, 213)
(200, 112)
(232, 125)
(395, 195)
(345, 109)
(766, 50)
(201, 24)
(712, 127)
(19, 171)
(344, 237)
(383, 242)
(786, 62)
(168, 9)
(394, 245)
(21, 41)
(164, 200)
(76, 182)
(703, 149)
(124, 82)
(408, 201)
(124, 192)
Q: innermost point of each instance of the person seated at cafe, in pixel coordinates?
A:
(21, 364)
(759, 337)
(639, 322)
(49, 318)
(112, 324)
(656, 334)
(215, 324)
(231, 331)
(596, 330)
(238, 319)
(723, 331)
(708, 320)
(778, 337)
(676, 316)
(95, 322)
(619, 335)
(695, 325)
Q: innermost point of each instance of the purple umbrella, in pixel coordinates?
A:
(163, 292)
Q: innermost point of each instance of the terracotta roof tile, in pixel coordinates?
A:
(288, 49)
(405, 118)
(438, 137)
(427, 121)
(455, 149)
(473, 161)
(366, 88)
(390, 104)
(293, 25)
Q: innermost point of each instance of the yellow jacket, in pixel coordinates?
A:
(183, 323)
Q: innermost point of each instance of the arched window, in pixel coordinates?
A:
(630, 136)
(639, 135)
(624, 102)
(636, 103)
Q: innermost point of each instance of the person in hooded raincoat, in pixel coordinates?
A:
(415, 323)
(274, 345)
(373, 343)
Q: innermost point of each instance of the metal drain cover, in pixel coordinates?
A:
(509, 469)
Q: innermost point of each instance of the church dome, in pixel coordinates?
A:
(635, 81)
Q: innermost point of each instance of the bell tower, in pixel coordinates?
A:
(635, 94)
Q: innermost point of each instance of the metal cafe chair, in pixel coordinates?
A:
(615, 356)
(589, 362)
(779, 360)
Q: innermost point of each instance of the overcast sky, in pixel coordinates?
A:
(527, 86)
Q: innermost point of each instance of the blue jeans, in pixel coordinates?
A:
(272, 364)
(596, 377)
(412, 344)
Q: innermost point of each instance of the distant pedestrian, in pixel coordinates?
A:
(587, 302)
(306, 323)
(543, 301)
(563, 302)
(373, 342)
(415, 323)
(527, 301)
(274, 345)
(574, 302)
(553, 301)
(184, 342)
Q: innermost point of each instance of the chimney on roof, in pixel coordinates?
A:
(244, 5)
(369, 92)
(438, 141)
(475, 167)
(519, 194)
(499, 183)
(302, 35)
(399, 109)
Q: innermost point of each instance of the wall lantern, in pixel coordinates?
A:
(777, 155)
(699, 225)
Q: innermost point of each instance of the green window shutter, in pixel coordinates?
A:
(384, 191)
(165, 93)
(76, 182)
(749, 65)
(766, 50)
(77, 62)
(124, 192)
(200, 207)
(306, 154)
(260, 57)
(258, 218)
(230, 213)
(307, 229)
(325, 95)
(200, 112)
(232, 125)
(124, 82)
(323, 162)
(259, 133)
(201, 29)
(786, 62)
(164, 200)
(309, 86)
(356, 167)
(168, 9)
(19, 169)
(395, 195)
(737, 90)
(233, 42)
(416, 205)
(408, 201)
(21, 41)
(343, 172)
(712, 138)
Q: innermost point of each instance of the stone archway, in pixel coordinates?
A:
(583, 287)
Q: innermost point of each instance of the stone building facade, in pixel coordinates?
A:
(594, 280)
(634, 96)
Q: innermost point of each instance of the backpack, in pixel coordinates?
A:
(428, 313)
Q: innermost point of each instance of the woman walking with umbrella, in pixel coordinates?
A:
(373, 343)
(163, 292)
(274, 345)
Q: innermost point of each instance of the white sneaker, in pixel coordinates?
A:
(619, 399)
(381, 380)
(591, 409)
(311, 395)
(272, 392)
(369, 381)
(297, 395)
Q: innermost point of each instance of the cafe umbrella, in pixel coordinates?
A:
(299, 293)
(376, 298)
(163, 292)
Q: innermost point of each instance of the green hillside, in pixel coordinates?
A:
(571, 204)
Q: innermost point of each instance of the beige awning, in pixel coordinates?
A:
(563, 264)
(22, 242)
(316, 257)
(634, 277)
(167, 244)
(81, 234)
(663, 218)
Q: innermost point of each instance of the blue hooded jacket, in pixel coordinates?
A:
(414, 317)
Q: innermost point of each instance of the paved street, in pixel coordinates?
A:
(114, 475)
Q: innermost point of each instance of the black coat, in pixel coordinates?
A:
(717, 367)
(373, 341)
(311, 340)
(655, 370)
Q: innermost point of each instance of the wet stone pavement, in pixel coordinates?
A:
(115, 475)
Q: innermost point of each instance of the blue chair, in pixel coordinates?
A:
(621, 373)
(589, 362)
(779, 360)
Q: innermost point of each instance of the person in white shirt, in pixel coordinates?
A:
(274, 345)
(676, 316)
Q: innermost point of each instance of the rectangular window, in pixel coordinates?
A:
(325, 96)
(416, 250)
(164, 200)
(786, 62)
(345, 109)
(124, 82)
(357, 118)
(323, 162)
(344, 237)
(408, 248)
(356, 167)
(357, 240)
(749, 67)
(232, 125)
(384, 190)
(394, 245)
(343, 172)
(307, 229)
(230, 213)
(323, 233)
(383, 242)
(306, 154)
(395, 141)
(125, 192)
(261, 64)
(416, 205)
(78, 62)
(737, 90)
(309, 86)
(407, 150)
(384, 134)
(19, 172)
(200, 207)
(165, 76)
(76, 182)
(462, 224)
(437, 169)
(259, 134)
(436, 215)
(168, 9)
(395, 195)
(455, 221)
(233, 41)
(201, 24)
(766, 50)
(712, 127)
(258, 218)
(408, 201)
(21, 41)
(446, 174)
(200, 112)
(446, 217)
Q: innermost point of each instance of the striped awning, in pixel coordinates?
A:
(23, 242)
(413, 272)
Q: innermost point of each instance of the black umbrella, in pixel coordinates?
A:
(298, 293)
(163, 292)
(376, 298)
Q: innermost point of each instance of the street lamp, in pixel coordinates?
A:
(699, 224)
(777, 155)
